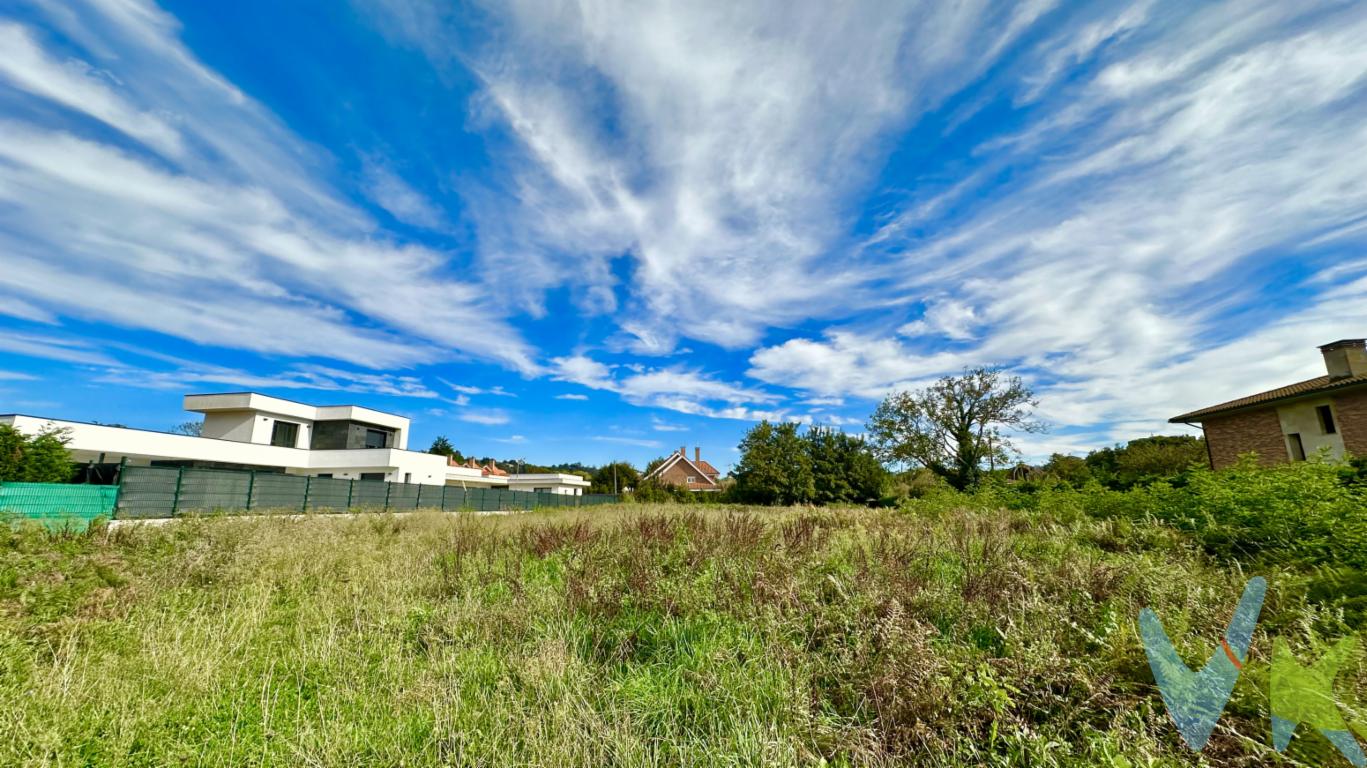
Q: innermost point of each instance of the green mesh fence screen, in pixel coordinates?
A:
(155, 492)
(403, 497)
(453, 497)
(57, 506)
(204, 490)
(329, 495)
(370, 493)
(147, 492)
(272, 492)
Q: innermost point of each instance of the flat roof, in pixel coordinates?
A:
(239, 401)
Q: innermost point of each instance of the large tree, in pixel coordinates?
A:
(616, 477)
(774, 467)
(955, 425)
(442, 447)
(844, 470)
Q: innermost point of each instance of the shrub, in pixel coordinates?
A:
(41, 458)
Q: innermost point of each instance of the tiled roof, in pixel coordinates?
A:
(708, 468)
(1299, 389)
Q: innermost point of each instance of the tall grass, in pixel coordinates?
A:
(645, 635)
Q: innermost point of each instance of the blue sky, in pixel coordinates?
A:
(590, 231)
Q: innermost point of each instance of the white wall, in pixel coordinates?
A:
(263, 425)
(268, 409)
(229, 425)
(566, 485)
(1300, 418)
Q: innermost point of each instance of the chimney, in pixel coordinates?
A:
(697, 454)
(1345, 358)
(683, 451)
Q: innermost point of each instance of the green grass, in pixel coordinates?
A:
(645, 635)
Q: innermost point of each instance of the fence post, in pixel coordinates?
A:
(175, 500)
(251, 487)
(418, 504)
(388, 486)
(350, 489)
(118, 488)
(308, 481)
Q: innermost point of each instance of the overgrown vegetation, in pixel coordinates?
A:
(993, 628)
(40, 458)
(1138, 462)
(779, 464)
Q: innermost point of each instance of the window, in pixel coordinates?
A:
(692, 479)
(376, 438)
(1326, 415)
(408, 477)
(324, 474)
(372, 475)
(285, 434)
(1297, 447)
(541, 490)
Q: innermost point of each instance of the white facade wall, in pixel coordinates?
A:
(229, 425)
(1301, 418)
(229, 411)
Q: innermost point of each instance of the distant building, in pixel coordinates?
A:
(693, 474)
(252, 431)
(1290, 423)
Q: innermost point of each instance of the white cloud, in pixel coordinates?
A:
(674, 388)
(227, 235)
(75, 85)
(823, 401)
(396, 196)
(511, 439)
(54, 348)
(571, 397)
(15, 376)
(739, 135)
(310, 377)
(947, 317)
(663, 426)
(484, 417)
(466, 389)
(1158, 245)
(846, 363)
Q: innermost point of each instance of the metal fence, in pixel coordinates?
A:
(57, 506)
(159, 492)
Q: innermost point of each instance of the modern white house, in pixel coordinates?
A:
(252, 431)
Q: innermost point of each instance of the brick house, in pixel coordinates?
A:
(1290, 423)
(694, 474)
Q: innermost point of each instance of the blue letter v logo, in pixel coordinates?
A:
(1196, 700)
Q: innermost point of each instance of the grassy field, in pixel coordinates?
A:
(642, 635)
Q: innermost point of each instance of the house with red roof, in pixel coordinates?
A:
(695, 474)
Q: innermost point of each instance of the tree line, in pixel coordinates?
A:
(957, 431)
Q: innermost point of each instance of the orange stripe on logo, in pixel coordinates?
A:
(1230, 653)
